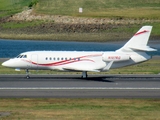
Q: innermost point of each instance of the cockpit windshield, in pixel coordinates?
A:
(18, 56)
(21, 56)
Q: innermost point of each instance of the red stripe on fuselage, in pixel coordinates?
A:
(64, 62)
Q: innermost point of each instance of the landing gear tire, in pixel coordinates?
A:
(84, 74)
(27, 76)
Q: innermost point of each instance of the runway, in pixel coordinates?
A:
(72, 86)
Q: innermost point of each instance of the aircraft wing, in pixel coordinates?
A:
(79, 69)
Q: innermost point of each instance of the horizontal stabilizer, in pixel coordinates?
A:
(143, 48)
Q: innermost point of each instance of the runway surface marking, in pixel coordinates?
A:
(77, 88)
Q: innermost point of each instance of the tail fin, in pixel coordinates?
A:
(139, 41)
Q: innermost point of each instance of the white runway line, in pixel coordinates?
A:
(77, 88)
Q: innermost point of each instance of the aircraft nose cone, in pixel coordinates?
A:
(5, 64)
(13, 63)
(8, 63)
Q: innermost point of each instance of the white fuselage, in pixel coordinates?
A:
(74, 60)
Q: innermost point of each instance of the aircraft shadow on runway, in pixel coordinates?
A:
(77, 78)
(57, 78)
(98, 79)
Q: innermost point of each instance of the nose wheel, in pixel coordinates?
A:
(27, 74)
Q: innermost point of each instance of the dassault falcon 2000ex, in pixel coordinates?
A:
(133, 52)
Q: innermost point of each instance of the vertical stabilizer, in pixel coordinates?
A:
(139, 41)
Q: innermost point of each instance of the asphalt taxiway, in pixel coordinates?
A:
(72, 86)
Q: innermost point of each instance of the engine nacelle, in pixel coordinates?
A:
(116, 57)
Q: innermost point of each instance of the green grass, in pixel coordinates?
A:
(137, 10)
(10, 7)
(25, 30)
(101, 8)
(91, 8)
(81, 109)
(21, 24)
(156, 27)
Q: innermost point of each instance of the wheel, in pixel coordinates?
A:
(84, 74)
(27, 76)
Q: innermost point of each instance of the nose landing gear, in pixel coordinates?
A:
(27, 74)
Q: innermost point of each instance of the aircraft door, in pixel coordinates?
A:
(34, 59)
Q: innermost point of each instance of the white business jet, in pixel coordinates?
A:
(131, 53)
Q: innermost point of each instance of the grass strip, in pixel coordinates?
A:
(10, 7)
(114, 10)
(101, 8)
(86, 109)
(35, 31)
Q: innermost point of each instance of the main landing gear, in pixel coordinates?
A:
(84, 74)
(27, 74)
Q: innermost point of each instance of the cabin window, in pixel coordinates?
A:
(54, 58)
(61, 58)
(46, 58)
(50, 58)
(65, 58)
(57, 58)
